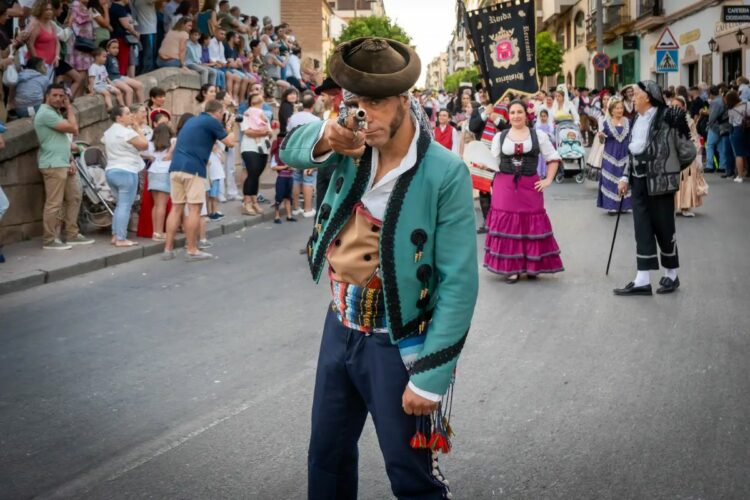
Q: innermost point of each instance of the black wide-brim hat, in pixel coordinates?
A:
(375, 67)
(654, 92)
(328, 84)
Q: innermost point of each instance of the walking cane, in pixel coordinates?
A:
(614, 236)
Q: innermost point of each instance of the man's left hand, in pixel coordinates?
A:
(417, 405)
(72, 168)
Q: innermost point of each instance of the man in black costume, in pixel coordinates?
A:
(660, 148)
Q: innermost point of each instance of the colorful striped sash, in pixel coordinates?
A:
(360, 308)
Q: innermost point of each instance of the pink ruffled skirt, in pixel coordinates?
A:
(519, 237)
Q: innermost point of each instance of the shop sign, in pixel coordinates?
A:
(690, 36)
(727, 28)
(630, 42)
(735, 13)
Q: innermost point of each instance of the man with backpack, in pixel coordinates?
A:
(718, 134)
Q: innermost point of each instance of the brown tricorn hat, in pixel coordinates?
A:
(375, 67)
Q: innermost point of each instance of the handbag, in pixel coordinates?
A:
(10, 76)
(132, 39)
(746, 121)
(725, 128)
(701, 186)
(84, 44)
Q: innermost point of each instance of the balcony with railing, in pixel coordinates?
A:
(650, 14)
(616, 18)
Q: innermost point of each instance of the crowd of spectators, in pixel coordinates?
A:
(98, 47)
(55, 51)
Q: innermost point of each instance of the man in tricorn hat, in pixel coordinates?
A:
(397, 230)
(660, 148)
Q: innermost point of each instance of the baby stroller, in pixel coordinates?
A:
(97, 203)
(570, 147)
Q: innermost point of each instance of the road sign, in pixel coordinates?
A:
(667, 61)
(667, 41)
(601, 61)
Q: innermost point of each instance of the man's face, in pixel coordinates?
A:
(443, 118)
(483, 97)
(384, 118)
(220, 35)
(56, 98)
(224, 7)
(640, 100)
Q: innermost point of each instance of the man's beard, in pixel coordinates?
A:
(396, 122)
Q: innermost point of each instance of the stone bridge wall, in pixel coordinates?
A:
(19, 175)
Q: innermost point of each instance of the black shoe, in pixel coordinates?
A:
(482, 230)
(668, 285)
(631, 289)
(513, 279)
(725, 176)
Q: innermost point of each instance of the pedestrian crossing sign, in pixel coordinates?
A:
(667, 61)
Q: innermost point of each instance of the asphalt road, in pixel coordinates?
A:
(194, 381)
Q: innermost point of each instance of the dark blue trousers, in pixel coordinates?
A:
(357, 374)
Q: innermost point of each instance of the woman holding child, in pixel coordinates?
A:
(124, 142)
(256, 131)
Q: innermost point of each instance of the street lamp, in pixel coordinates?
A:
(741, 37)
(713, 46)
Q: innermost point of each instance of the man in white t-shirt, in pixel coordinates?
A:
(293, 70)
(144, 14)
(219, 60)
(169, 10)
(303, 179)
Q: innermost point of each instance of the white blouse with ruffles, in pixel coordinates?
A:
(509, 147)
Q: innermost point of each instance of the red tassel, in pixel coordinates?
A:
(418, 441)
(433, 441)
(446, 445)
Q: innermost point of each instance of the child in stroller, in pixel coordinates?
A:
(570, 146)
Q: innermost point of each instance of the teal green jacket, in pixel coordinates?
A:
(431, 210)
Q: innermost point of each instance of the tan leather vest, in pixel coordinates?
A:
(354, 256)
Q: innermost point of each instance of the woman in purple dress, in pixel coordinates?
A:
(520, 239)
(615, 133)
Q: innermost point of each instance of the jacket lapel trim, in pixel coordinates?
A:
(344, 211)
(387, 247)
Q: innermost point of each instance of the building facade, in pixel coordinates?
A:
(311, 21)
(709, 49)
(566, 21)
(437, 70)
(349, 9)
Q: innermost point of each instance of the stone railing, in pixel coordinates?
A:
(19, 175)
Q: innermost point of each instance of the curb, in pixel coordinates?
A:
(146, 249)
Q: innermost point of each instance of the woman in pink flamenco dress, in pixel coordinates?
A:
(520, 239)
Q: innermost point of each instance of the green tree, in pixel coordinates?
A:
(453, 80)
(373, 26)
(549, 55)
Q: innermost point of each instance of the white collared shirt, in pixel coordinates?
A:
(376, 196)
(639, 134)
(376, 199)
(216, 51)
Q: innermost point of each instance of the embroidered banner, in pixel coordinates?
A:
(503, 38)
